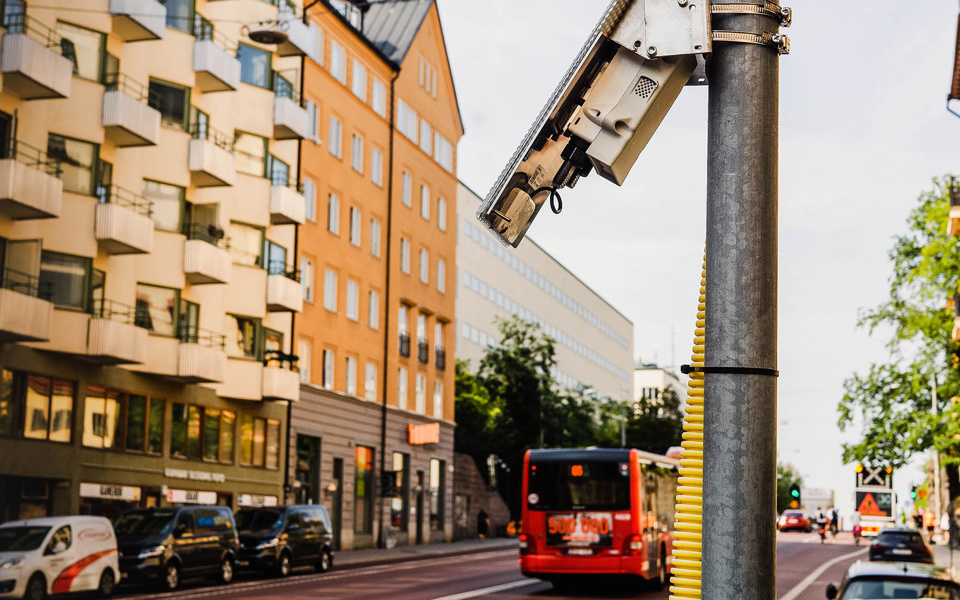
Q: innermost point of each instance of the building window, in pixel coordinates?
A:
(246, 244)
(373, 310)
(68, 278)
(379, 98)
(375, 237)
(313, 121)
(156, 308)
(424, 266)
(102, 418)
(173, 103)
(438, 398)
(399, 512)
(402, 388)
(376, 167)
(441, 276)
(356, 156)
(370, 382)
(407, 196)
(78, 162)
(310, 198)
(255, 66)
(425, 202)
(305, 354)
(336, 137)
(244, 337)
(168, 203)
(442, 213)
(438, 335)
(405, 255)
(329, 359)
(359, 83)
(307, 278)
(47, 408)
(363, 490)
(200, 433)
(180, 15)
(351, 373)
(421, 394)
(437, 491)
(85, 48)
(259, 442)
(330, 290)
(353, 300)
(250, 153)
(443, 152)
(354, 226)
(333, 214)
(407, 121)
(426, 137)
(338, 62)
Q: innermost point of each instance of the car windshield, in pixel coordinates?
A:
(144, 522)
(261, 519)
(15, 539)
(892, 538)
(792, 513)
(876, 589)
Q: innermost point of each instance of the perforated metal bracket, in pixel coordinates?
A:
(777, 41)
(784, 14)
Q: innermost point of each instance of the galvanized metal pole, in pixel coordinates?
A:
(739, 495)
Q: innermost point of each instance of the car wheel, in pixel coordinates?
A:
(171, 576)
(226, 570)
(661, 581)
(283, 565)
(107, 583)
(36, 588)
(323, 565)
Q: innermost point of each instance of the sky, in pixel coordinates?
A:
(863, 130)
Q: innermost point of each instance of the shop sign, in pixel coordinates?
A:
(109, 491)
(256, 500)
(428, 433)
(190, 497)
(194, 475)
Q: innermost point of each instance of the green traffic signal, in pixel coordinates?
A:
(913, 492)
(795, 493)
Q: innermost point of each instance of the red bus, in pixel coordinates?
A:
(597, 511)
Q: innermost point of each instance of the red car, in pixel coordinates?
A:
(794, 520)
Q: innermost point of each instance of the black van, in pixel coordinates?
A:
(171, 543)
(277, 538)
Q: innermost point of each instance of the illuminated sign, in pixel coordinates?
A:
(191, 497)
(428, 433)
(256, 500)
(110, 492)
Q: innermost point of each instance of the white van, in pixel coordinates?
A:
(55, 555)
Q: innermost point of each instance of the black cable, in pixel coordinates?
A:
(556, 203)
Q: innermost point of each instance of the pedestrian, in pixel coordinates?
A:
(929, 520)
(834, 521)
(483, 524)
(945, 527)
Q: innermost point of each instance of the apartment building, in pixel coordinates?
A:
(594, 341)
(650, 380)
(372, 434)
(148, 215)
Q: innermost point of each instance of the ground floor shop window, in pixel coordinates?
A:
(437, 485)
(308, 469)
(259, 442)
(202, 433)
(399, 503)
(363, 490)
(36, 407)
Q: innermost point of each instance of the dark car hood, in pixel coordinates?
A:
(131, 545)
(252, 538)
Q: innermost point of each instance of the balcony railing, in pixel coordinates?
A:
(204, 31)
(34, 29)
(208, 233)
(25, 283)
(36, 158)
(277, 358)
(441, 359)
(114, 194)
(423, 351)
(220, 139)
(279, 267)
(404, 344)
(115, 311)
(190, 334)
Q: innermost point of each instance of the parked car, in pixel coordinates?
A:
(55, 555)
(875, 580)
(794, 520)
(900, 544)
(172, 543)
(276, 539)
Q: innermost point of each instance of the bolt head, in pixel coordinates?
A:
(652, 51)
(682, 2)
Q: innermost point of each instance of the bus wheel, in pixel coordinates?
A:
(660, 581)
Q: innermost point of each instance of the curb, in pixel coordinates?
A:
(402, 556)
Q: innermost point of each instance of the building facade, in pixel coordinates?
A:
(650, 381)
(148, 214)
(372, 435)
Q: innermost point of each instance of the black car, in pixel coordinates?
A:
(900, 544)
(276, 539)
(876, 580)
(172, 543)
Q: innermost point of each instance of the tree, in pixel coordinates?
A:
(894, 399)
(785, 478)
(656, 424)
(476, 416)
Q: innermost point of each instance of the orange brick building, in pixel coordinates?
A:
(377, 257)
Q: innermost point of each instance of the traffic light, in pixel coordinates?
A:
(794, 495)
(913, 493)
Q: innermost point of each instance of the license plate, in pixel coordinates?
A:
(580, 551)
(243, 563)
(792, 521)
(902, 551)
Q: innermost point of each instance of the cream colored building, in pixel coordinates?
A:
(650, 380)
(148, 214)
(594, 341)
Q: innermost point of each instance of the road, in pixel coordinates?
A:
(804, 567)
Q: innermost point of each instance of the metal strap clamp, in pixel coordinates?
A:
(687, 369)
(779, 42)
(784, 14)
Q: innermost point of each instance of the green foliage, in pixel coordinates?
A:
(785, 478)
(656, 423)
(476, 416)
(893, 400)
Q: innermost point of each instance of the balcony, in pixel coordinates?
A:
(203, 356)
(281, 377)
(30, 60)
(244, 379)
(214, 60)
(138, 20)
(26, 314)
(404, 344)
(30, 185)
(127, 119)
(284, 292)
(205, 258)
(441, 359)
(123, 222)
(290, 120)
(113, 337)
(287, 205)
(953, 223)
(211, 158)
(423, 351)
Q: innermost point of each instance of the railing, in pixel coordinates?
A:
(25, 283)
(284, 180)
(423, 351)
(441, 359)
(128, 85)
(111, 309)
(200, 131)
(284, 89)
(191, 334)
(279, 358)
(206, 232)
(279, 267)
(114, 194)
(34, 29)
(32, 157)
(205, 31)
(404, 344)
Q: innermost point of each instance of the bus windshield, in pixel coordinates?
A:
(578, 485)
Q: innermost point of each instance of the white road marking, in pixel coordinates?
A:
(809, 579)
(489, 590)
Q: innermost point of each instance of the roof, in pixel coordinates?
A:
(52, 521)
(611, 454)
(896, 569)
(955, 86)
(391, 25)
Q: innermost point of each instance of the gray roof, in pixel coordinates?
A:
(391, 25)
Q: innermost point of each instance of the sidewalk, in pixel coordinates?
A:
(942, 558)
(356, 558)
